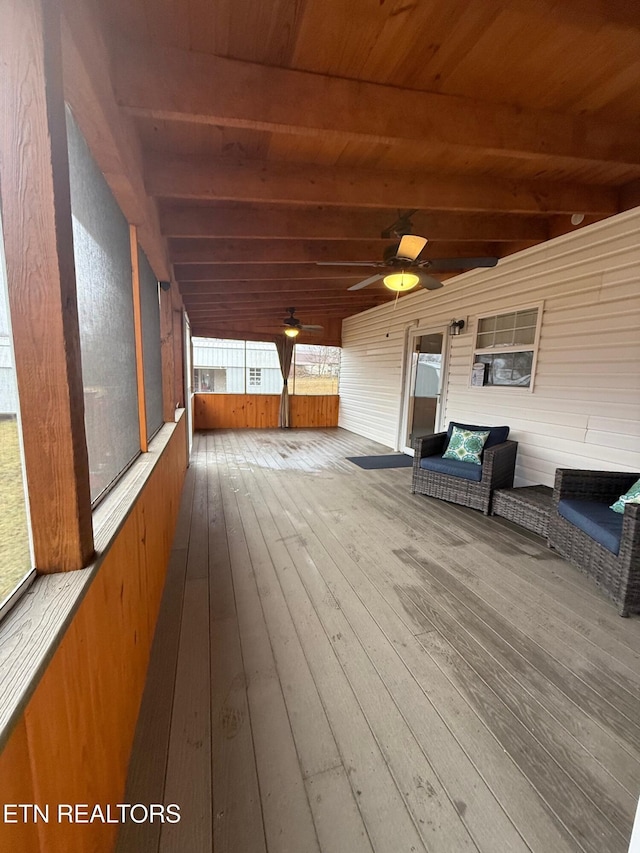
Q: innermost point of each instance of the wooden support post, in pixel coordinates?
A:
(36, 214)
(137, 325)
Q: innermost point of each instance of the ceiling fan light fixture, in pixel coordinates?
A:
(292, 332)
(401, 281)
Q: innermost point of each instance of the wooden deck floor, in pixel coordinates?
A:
(341, 666)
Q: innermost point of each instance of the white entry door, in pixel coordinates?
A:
(423, 394)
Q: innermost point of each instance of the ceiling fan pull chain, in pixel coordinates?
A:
(395, 302)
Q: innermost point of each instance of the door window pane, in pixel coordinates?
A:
(425, 387)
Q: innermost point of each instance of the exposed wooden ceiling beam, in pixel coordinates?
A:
(268, 222)
(630, 195)
(584, 15)
(221, 251)
(244, 300)
(182, 85)
(263, 272)
(277, 287)
(275, 322)
(299, 183)
(280, 306)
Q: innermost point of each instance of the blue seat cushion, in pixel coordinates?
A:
(453, 467)
(497, 434)
(597, 520)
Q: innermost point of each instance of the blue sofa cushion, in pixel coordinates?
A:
(453, 467)
(597, 520)
(497, 434)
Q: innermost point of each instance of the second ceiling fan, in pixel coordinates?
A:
(293, 326)
(406, 268)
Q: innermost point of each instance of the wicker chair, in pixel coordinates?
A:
(618, 575)
(498, 465)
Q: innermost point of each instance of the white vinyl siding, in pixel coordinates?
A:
(584, 411)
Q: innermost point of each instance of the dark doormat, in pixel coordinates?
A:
(394, 460)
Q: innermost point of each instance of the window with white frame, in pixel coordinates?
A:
(505, 348)
(255, 376)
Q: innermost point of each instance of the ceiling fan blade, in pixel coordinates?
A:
(447, 264)
(429, 282)
(366, 282)
(410, 246)
(312, 328)
(348, 264)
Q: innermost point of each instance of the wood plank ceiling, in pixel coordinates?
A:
(280, 134)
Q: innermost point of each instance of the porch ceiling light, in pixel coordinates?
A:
(292, 332)
(401, 281)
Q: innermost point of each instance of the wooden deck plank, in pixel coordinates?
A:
(536, 613)
(337, 817)
(484, 815)
(427, 801)
(237, 810)
(287, 816)
(367, 544)
(314, 740)
(603, 710)
(317, 751)
(189, 761)
(379, 659)
(380, 803)
(188, 781)
(552, 582)
(618, 757)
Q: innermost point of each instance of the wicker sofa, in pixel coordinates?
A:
(462, 482)
(602, 543)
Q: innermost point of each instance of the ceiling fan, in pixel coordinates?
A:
(406, 267)
(293, 326)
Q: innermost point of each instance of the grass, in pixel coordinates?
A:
(15, 558)
(315, 384)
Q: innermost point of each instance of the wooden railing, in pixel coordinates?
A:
(256, 411)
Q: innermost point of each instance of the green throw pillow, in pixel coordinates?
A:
(466, 445)
(630, 497)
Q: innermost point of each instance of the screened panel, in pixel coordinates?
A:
(15, 552)
(235, 367)
(316, 369)
(263, 374)
(150, 309)
(105, 311)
